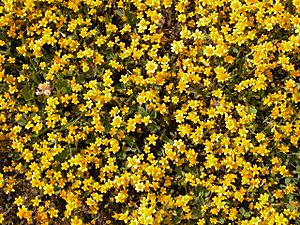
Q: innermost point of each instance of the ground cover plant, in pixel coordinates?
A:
(149, 112)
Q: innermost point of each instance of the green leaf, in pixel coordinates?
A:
(120, 12)
(122, 155)
(132, 20)
(80, 78)
(163, 137)
(206, 193)
(192, 170)
(62, 157)
(252, 110)
(22, 122)
(196, 213)
(34, 78)
(242, 211)
(179, 212)
(153, 127)
(153, 115)
(247, 215)
(199, 191)
(63, 86)
(176, 220)
(27, 92)
(287, 180)
(130, 141)
(235, 50)
(128, 149)
(142, 111)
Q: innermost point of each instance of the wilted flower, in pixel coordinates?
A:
(44, 89)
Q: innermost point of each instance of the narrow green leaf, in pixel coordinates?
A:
(153, 127)
(142, 111)
(153, 115)
(130, 149)
(252, 110)
(22, 122)
(120, 12)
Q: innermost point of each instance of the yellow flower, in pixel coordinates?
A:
(23, 212)
(289, 85)
(139, 187)
(146, 120)
(1, 180)
(201, 222)
(111, 28)
(121, 197)
(53, 213)
(35, 201)
(184, 129)
(260, 136)
(293, 214)
(76, 221)
(19, 201)
(1, 218)
(296, 3)
(151, 67)
(131, 125)
(152, 139)
(177, 46)
(221, 51)
(233, 214)
(142, 25)
(221, 74)
(208, 50)
(117, 121)
(182, 85)
(48, 189)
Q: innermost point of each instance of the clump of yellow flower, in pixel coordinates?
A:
(149, 112)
